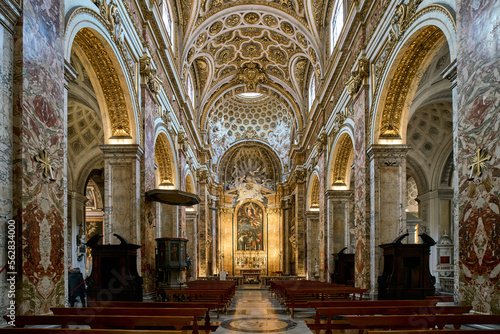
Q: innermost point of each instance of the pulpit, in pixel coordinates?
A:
(406, 272)
(170, 261)
(114, 271)
(344, 268)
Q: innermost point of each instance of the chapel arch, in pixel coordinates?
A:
(105, 73)
(165, 161)
(341, 161)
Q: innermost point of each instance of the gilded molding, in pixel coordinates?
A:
(163, 155)
(400, 83)
(315, 193)
(109, 80)
(342, 159)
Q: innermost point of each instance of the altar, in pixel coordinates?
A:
(248, 273)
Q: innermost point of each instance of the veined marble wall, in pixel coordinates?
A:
(148, 219)
(40, 124)
(361, 193)
(478, 127)
(9, 14)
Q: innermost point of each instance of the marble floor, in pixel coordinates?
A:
(254, 310)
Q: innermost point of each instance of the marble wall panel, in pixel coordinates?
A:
(312, 222)
(148, 218)
(6, 121)
(40, 123)
(226, 242)
(202, 230)
(478, 126)
(273, 241)
(301, 231)
(192, 245)
(361, 191)
(323, 273)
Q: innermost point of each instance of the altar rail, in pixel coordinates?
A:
(238, 279)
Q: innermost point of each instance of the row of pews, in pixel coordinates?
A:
(340, 309)
(187, 312)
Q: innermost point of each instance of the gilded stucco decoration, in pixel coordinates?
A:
(402, 80)
(402, 17)
(356, 80)
(251, 75)
(163, 157)
(110, 13)
(314, 194)
(149, 74)
(250, 170)
(341, 165)
(250, 45)
(109, 80)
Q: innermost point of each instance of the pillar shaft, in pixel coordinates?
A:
(387, 202)
(122, 192)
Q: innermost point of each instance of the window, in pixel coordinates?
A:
(337, 23)
(167, 20)
(312, 91)
(190, 89)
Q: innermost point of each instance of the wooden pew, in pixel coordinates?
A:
(420, 321)
(438, 331)
(301, 297)
(373, 303)
(32, 330)
(106, 321)
(202, 295)
(330, 312)
(195, 313)
(208, 305)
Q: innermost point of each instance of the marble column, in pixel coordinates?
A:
(39, 127)
(478, 127)
(387, 202)
(360, 107)
(122, 193)
(9, 14)
(312, 242)
(339, 204)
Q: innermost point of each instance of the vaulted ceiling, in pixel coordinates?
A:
(232, 47)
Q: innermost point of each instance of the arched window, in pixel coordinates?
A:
(167, 20)
(312, 90)
(337, 23)
(190, 88)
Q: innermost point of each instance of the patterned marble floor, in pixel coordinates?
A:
(254, 310)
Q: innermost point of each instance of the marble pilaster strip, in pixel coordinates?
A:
(478, 127)
(40, 123)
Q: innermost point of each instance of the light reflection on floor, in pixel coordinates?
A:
(256, 311)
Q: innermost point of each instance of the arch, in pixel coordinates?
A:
(269, 159)
(165, 161)
(89, 36)
(190, 188)
(418, 174)
(429, 27)
(341, 159)
(313, 192)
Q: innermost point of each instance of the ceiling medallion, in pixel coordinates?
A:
(215, 28)
(251, 18)
(270, 21)
(251, 74)
(233, 20)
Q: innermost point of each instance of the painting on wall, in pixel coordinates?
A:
(250, 218)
